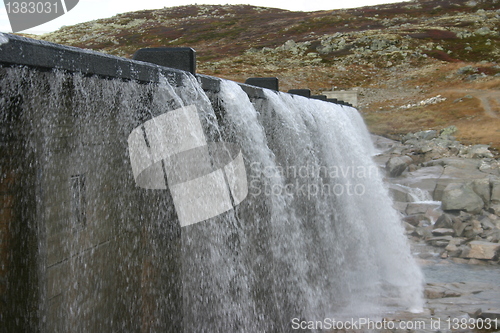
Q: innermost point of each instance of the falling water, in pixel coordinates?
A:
(334, 243)
(315, 237)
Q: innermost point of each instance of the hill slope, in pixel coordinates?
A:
(395, 55)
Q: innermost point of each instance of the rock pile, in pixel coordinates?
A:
(448, 193)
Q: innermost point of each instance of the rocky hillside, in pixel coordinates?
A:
(417, 65)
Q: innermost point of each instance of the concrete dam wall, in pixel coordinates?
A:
(140, 198)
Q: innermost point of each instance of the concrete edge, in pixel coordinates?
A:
(17, 50)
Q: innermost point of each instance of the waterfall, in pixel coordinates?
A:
(314, 237)
(317, 235)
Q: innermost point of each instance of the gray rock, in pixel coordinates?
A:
(466, 217)
(423, 178)
(462, 174)
(453, 247)
(458, 226)
(461, 197)
(446, 132)
(483, 31)
(477, 227)
(456, 162)
(444, 221)
(408, 160)
(398, 194)
(479, 151)
(443, 232)
(493, 314)
(452, 293)
(420, 207)
(409, 228)
(495, 209)
(415, 220)
(412, 167)
(424, 147)
(383, 143)
(395, 166)
(424, 232)
(495, 190)
(493, 236)
(482, 188)
(400, 206)
(433, 292)
(487, 224)
(470, 233)
(490, 167)
(453, 174)
(427, 135)
(481, 250)
(440, 241)
(407, 137)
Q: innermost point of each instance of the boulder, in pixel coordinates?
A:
(465, 171)
(424, 179)
(477, 227)
(407, 159)
(395, 166)
(491, 167)
(461, 197)
(408, 228)
(460, 163)
(408, 137)
(441, 241)
(444, 221)
(493, 236)
(424, 232)
(479, 151)
(487, 224)
(448, 131)
(400, 206)
(434, 212)
(433, 293)
(423, 147)
(458, 226)
(481, 250)
(453, 247)
(493, 314)
(452, 293)
(483, 31)
(420, 207)
(427, 135)
(452, 174)
(471, 233)
(412, 167)
(443, 232)
(482, 188)
(495, 209)
(416, 220)
(495, 190)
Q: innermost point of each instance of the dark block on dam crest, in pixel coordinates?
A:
(320, 97)
(300, 92)
(183, 58)
(264, 82)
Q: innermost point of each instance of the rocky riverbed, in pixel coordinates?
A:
(448, 195)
